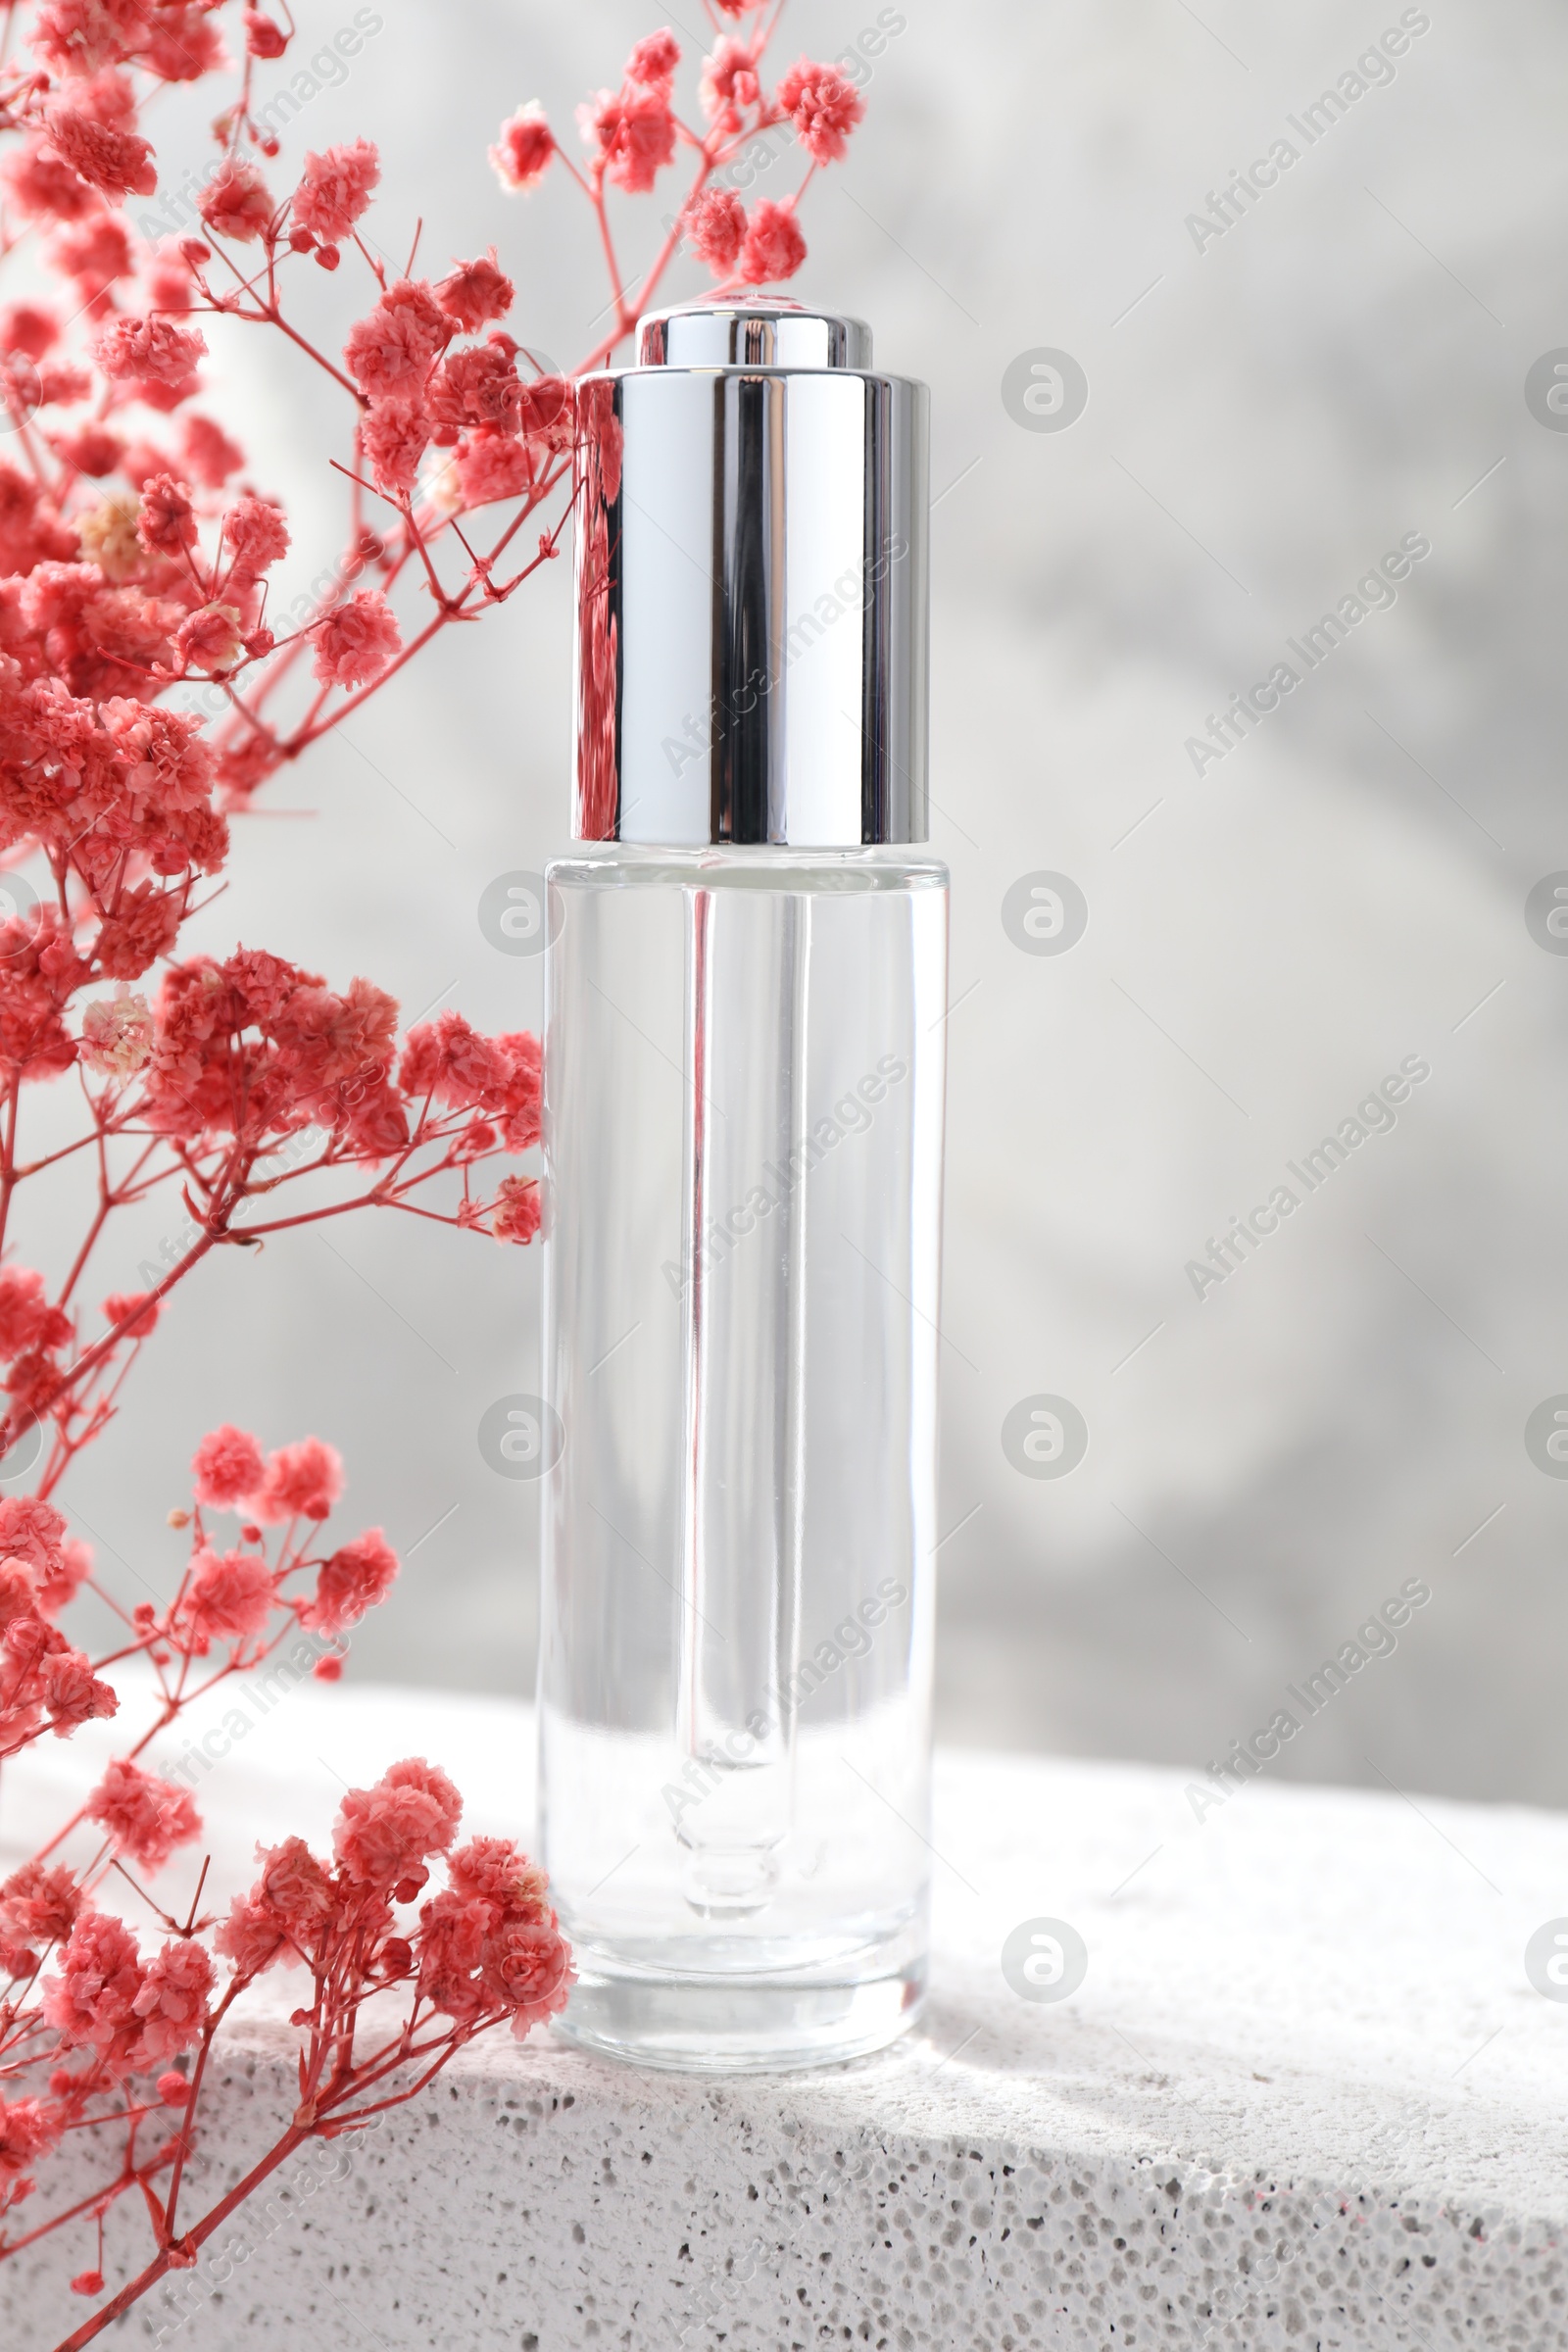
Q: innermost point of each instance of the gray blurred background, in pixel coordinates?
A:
(1266, 417)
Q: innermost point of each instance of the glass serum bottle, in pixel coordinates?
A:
(747, 984)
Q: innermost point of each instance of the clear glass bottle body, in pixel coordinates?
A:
(743, 1137)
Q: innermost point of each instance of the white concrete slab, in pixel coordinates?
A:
(1305, 2097)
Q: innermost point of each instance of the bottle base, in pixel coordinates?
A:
(723, 2025)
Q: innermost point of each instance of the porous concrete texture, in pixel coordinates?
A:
(1305, 2097)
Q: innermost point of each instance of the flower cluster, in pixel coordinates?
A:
(43, 1679)
(485, 1949)
(427, 386)
(157, 666)
(86, 2010)
(632, 133)
(486, 1946)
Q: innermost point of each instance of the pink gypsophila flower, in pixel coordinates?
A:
(211, 455)
(166, 275)
(729, 85)
(117, 1034)
(92, 2000)
(143, 928)
(357, 640)
(652, 63)
(172, 2001)
(528, 1970)
(476, 387)
(295, 1884)
(228, 1466)
(823, 107)
(228, 1599)
(448, 1058)
(71, 1693)
(80, 36)
(497, 1871)
(335, 189)
(181, 42)
(382, 1834)
(90, 449)
(356, 1578)
(115, 161)
(395, 435)
(492, 465)
(264, 38)
(59, 1585)
(19, 1595)
(524, 145)
(42, 187)
(211, 638)
(96, 252)
(515, 1215)
(632, 133)
(146, 1815)
(389, 351)
(774, 247)
(715, 226)
(302, 1480)
(106, 94)
(477, 292)
(26, 1318)
(28, 327)
(28, 2129)
(549, 414)
(283, 1913)
(236, 201)
(166, 521)
(253, 1937)
(452, 1931)
(31, 1530)
(153, 350)
(335, 1040)
(255, 533)
(38, 1904)
(168, 764)
(132, 1313)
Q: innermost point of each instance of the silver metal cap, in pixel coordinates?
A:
(751, 602)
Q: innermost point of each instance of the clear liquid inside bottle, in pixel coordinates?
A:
(743, 1135)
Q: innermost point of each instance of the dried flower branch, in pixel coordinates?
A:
(136, 600)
